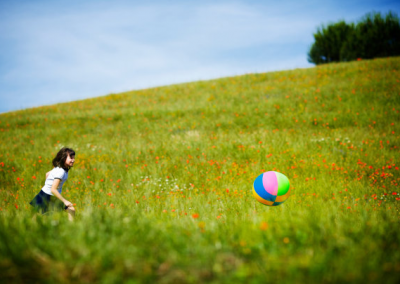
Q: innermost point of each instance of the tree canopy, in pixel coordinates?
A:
(373, 36)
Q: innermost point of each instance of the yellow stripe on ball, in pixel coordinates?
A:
(283, 197)
(263, 201)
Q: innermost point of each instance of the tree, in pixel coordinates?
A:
(328, 43)
(374, 36)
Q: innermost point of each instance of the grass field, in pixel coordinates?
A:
(163, 182)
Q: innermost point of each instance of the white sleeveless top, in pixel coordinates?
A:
(56, 173)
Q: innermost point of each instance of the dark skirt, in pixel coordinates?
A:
(44, 203)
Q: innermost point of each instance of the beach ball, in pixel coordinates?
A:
(271, 188)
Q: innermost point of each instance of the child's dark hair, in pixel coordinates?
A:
(62, 155)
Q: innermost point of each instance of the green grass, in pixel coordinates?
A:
(163, 182)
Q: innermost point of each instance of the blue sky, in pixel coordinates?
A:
(59, 51)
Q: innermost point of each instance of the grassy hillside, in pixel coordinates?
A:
(163, 182)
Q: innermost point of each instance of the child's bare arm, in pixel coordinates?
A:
(57, 194)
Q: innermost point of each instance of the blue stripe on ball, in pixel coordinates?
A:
(260, 190)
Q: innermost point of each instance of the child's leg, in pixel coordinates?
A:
(71, 213)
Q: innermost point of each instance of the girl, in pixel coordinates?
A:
(50, 198)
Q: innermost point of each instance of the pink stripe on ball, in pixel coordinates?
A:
(270, 183)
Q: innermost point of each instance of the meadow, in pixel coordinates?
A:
(163, 179)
